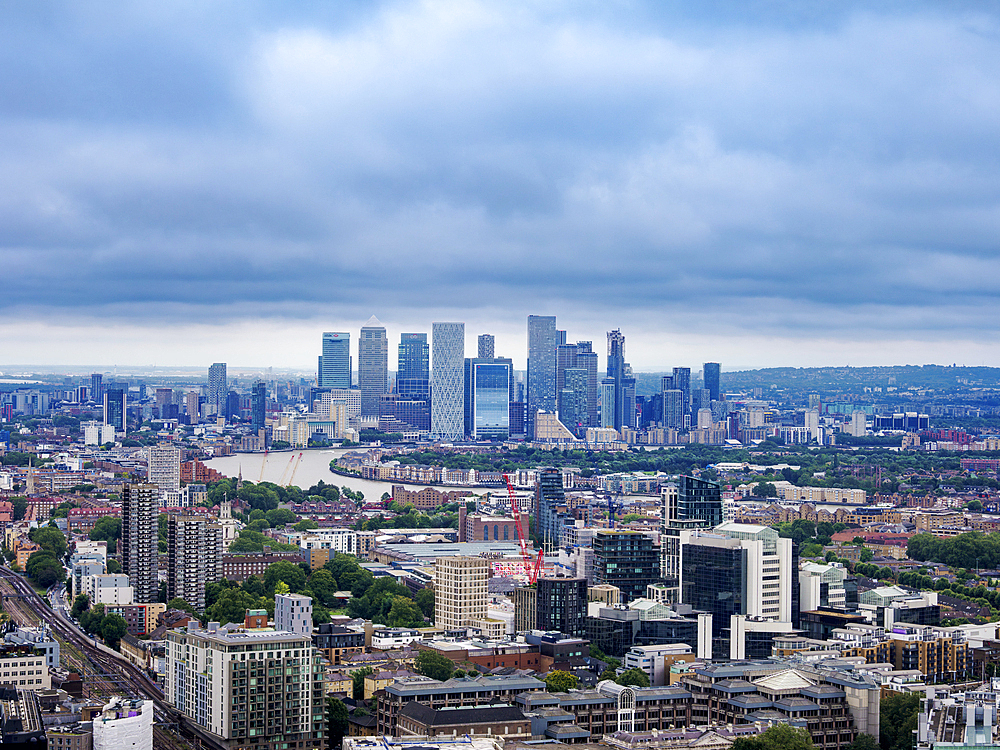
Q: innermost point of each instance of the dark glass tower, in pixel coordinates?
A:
(626, 559)
(699, 500)
(714, 580)
(413, 370)
(542, 340)
(114, 408)
(373, 365)
(549, 495)
(561, 605)
(258, 405)
(711, 371)
(616, 370)
(682, 382)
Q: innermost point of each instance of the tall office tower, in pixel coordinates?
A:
(487, 398)
(487, 346)
(218, 387)
(701, 398)
(560, 337)
(335, 362)
(115, 408)
(163, 467)
(566, 357)
(138, 547)
(682, 382)
(607, 402)
(373, 365)
(616, 370)
(164, 400)
(710, 373)
(233, 411)
(413, 369)
(700, 500)
(549, 496)
(573, 401)
(627, 559)
(673, 409)
(541, 366)
(192, 407)
(448, 380)
(737, 569)
(97, 388)
(194, 558)
(258, 405)
(245, 654)
(586, 358)
(460, 591)
(561, 606)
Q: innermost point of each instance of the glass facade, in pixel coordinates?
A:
(699, 500)
(448, 380)
(335, 364)
(542, 341)
(628, 560)
(713, 580)
(491, 411)
(414, 357)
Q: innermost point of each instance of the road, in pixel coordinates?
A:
(128, 679)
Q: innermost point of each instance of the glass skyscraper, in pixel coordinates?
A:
(488, 389)
(448, 380)
(711, 372)
(573, 400)
(335, 362)
(542, 341)
(373, 365)
(413, 370)
(115, 408)
(218, 387)
(699, 500)
(258, 405)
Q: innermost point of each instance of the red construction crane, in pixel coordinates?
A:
(531, 567)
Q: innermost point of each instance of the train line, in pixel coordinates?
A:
(111, 673)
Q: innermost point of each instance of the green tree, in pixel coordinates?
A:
(765, 489)
(44, 569)
(866, 555)
(80, 605)
(108, 529)
(280, 517)
(323, 585)
(425, 600)
(305, 525)
(778, 737)
(114, 566)
(405, 613)
(284, 571)
(178, 603)
(434, 665)
(897, 720)
(634, 676)
(336, 722)
(112, 629)
(50, 539)
(864, 742)
(231, 606)
(358, 682)
(92, 618)
(558, 681)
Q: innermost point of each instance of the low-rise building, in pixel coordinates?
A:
(24, 666)
(503, 721)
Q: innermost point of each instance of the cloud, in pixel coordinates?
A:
(759, 169)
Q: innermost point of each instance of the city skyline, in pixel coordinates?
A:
(751, 183)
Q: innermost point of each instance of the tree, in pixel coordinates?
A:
(434, 665)
(114, 566)
(44, 569)
(80, 605)
(634, 676)
(404, 613)
(897, 720)
(305, 525)
(323, 585)
(284, 571)
(358, 682)
(50, 539)
(864, 742)
(765, 489)
(280, 517)
(558, 681)
(866, 555)
(778, 737)
(974, 505)
(108, 529)
(231, 606)
(112, 629)
(425, 600)
(336, 721)
(178, 603)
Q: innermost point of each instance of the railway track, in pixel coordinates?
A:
(109, 674)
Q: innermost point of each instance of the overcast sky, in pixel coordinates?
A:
(757, 183)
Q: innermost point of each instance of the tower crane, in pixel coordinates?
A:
(531, 567)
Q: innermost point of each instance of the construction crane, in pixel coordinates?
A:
(298, 462)
(281, 482)
(263, 463)
(531, 567)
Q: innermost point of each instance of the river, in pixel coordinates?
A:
(313, 466)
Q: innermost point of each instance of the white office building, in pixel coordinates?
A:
(109, 588)
(293, 612)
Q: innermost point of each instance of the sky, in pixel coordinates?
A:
(757, 183)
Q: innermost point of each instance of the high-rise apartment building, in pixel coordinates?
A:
(138, 544)
(115, 408)
(619, 370)
(700, 500)
(194, 558)
(163, 467)
(413, 369)
(373, 365)
(549, 496)
(579, 355)
(258, 405)
(682, 382)
(293, 612)
(448, 380)
(192, 406)
(607, 402)
(249, 687)
(629, 560)
(218, 387)
(711, 372)
(542, 341)
(673, 409)
(335, 362)
(561, 605)
(487, 398)
(487, 346)
(97, 388)
(573, 400)
(460, 591)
